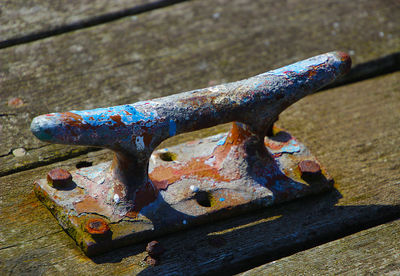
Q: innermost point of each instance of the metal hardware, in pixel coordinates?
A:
(155, 249)
(143, 193)
(59, 178)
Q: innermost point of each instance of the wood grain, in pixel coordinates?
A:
(374, 252)
(179, 48)
(354, 132)
(19, 18)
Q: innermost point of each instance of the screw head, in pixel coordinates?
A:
(97, 227)
(309, 168)
(59, 178)
(155, 249)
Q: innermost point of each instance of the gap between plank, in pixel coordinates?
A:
(287, 250)
(82, 24)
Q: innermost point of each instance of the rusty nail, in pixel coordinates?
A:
(155, 249)
(309, 168)
(59, 178)
(97, 227)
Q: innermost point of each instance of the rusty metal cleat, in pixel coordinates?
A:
(143, 193)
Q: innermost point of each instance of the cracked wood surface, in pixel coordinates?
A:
(353, 130)
(19, 18)
(375, 251)
(183, 47)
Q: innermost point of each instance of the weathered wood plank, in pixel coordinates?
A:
(374, 252)
(25, 21)
(183, 47)
(354, 132)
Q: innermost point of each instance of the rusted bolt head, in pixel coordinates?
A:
(151, 261)
(309, 168)
(97, 227)
(155, 249)
(59, 178)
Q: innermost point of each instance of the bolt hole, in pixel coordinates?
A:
(168, 156)
(203, 198)
(83, 164)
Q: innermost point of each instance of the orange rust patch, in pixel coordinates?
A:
(73, 119)
(274, 145)
(132, 214)
(147, 137)
(96, 226)
(144, 197)
(88, 205)
(312, 73)
(118, 120)
(345, 58)
(237, 135)
(163, 176)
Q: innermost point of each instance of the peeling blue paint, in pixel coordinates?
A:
(101, 116)
(255, 101)
(300, 66)
(291, 147)
(222, 141)
(172, 128)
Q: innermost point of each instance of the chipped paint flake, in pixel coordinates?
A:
(222, 141)
(210, 161)
(194, 189)
(139, 143)
(172, 128)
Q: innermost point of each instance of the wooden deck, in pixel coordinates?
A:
(87, 54)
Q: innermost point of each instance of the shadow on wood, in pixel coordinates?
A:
(288, 228)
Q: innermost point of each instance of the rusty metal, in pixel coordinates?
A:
(143, 193)
(155, 249)
(151, 261)
(97, 227)
(59, 178)
(309, 166)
